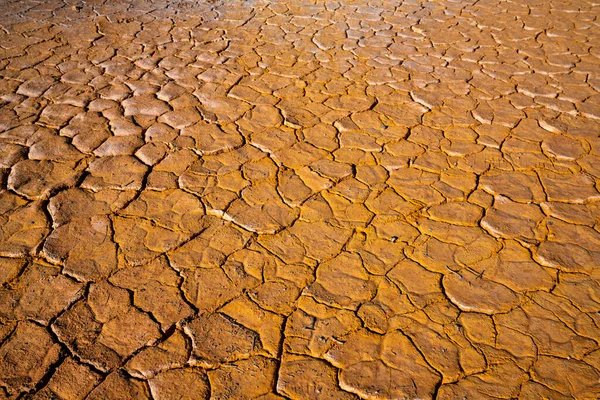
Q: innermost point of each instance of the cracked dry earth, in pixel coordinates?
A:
(302, 199)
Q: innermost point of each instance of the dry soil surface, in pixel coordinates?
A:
(300, 199)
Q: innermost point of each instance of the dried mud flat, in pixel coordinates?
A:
(300, 199)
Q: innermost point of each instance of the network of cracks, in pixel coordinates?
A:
(300, 199)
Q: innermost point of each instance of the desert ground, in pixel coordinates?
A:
(307, 199)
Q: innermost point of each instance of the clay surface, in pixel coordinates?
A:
(311, 199)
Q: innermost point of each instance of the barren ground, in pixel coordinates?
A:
(300, 199)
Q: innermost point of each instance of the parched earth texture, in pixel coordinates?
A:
(300, 199)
